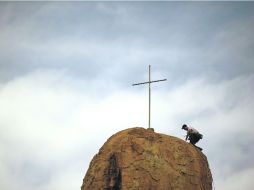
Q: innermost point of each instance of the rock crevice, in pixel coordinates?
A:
(112, 174)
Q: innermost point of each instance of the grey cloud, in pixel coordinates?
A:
(185, 40)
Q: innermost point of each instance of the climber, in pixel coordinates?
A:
(192, 134)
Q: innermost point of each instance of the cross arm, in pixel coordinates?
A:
(148, 82)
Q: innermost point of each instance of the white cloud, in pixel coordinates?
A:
(47, 126)
(239, 180)
(51, 124)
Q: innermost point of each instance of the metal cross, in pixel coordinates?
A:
(149, 82)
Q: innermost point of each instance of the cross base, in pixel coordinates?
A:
(150, 129)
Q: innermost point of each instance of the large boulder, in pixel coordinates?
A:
(140, 159)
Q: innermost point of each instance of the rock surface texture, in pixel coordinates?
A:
(140, 159)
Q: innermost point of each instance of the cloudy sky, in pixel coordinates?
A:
(66, 71)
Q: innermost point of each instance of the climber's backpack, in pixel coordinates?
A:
(200, 136)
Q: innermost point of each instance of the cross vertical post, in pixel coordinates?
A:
(149, 122)
(149, 88)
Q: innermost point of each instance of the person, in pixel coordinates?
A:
(192, 134)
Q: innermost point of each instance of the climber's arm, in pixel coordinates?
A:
(187, 136)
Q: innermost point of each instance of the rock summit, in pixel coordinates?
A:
(140, 159)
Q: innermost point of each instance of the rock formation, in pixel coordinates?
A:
(140, 159)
